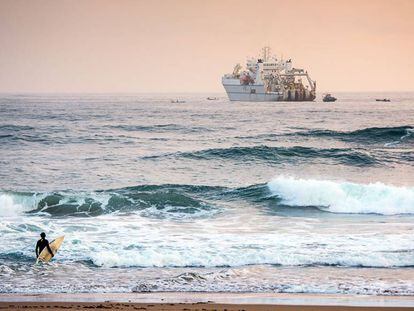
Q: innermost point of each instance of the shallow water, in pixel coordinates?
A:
(208, 195)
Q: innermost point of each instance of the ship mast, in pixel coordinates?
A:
(266, 53)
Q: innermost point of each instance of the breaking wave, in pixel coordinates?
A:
(180, 201)
(160, 201)
(344, 197)
(212, 226)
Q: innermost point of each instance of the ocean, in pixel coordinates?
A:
(207, 195)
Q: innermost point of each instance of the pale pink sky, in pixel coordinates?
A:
(186, 46)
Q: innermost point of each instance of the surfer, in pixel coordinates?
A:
(41, 244)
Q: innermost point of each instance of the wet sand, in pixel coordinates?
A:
(180, 306)
(204, 302)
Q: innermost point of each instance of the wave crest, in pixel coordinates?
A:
(344, 197)
(154, 201)
(286, 154)
(292, 196)
(371, 135)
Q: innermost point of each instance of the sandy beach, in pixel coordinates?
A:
(203, 301)
(181, 306)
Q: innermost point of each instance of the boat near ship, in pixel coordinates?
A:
(269, 79)
(329, 98)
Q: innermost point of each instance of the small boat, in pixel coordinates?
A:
(329, 98)
(212, 98)
(382, 99)
(177, 101)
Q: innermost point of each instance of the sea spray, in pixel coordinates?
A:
(14, 204)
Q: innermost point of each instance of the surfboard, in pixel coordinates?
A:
(45, 255)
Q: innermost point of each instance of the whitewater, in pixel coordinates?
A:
(207, 195)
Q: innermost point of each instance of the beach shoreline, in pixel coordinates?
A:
(204, 301)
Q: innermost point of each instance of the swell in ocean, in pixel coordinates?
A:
(403, 133)
(386, 138)
(194, 201)
(387, 135)
(370, 135)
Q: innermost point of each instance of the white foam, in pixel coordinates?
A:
(14, 204)
(155, 248)
(344, 197)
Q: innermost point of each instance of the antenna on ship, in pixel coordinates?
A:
(266, 53)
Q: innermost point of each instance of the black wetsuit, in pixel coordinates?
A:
(41, 244)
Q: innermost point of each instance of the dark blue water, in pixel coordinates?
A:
(208, 195)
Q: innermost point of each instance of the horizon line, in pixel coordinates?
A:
(166, 93)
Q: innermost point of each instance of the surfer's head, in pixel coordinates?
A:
(43, 235)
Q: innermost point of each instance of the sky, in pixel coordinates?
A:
(186, 46)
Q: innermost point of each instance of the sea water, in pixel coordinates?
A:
(207, 195)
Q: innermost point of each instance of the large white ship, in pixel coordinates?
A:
(269, 79)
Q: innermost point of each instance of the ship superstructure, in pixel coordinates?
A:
(269, 79)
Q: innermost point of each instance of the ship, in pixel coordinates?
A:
(269, 79)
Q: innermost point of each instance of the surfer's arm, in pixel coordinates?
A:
(49, 249)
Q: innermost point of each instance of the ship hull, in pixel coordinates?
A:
(256, 93)
(251, 92)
